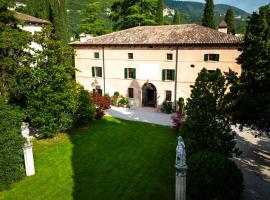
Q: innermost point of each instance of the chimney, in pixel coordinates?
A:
(222, 27)
(84, 37)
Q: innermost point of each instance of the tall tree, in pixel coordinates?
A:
(94, 20)
(208, 15)
(126, 14)
(159, 13)
(13, 42)
(253, 107)
(47, 91)
(207, 126)
(176, 18)
(229, 19)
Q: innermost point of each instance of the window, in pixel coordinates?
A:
(211, 57)
(96, 55)
(130, 56)
(97, 71)
(192, 66)
(168, 95)
(130, 73)
(130, 93)
(168, 74)
(169, 56)
(99, 90)
(211, 71)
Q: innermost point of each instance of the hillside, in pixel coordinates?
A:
(191, 12)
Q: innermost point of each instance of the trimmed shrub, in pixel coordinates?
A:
(212, 176)
(123, 101)
(167, 107)
(102, 104)
(86, 110)
(11, 143)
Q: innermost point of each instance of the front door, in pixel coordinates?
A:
(149, 97)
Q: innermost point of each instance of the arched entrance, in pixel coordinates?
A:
(149, 95)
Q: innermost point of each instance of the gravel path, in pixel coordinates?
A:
(255, 165)
(149, 115)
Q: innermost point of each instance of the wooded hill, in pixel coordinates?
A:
(191, 12)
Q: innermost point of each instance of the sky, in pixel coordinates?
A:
(247, 5)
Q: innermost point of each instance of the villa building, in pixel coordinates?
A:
(150, 64)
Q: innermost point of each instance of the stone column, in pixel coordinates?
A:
(181, 170)
(28, 159)
(180, 184)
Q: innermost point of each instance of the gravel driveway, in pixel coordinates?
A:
(255, 165)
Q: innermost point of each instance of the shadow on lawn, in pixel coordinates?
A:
(121, 160)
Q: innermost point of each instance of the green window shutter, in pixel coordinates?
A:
(217, 57)
(93, 71)
(163, 74)
(126, 70)
(134, 73)
(205, 57)
(100, 71)
(172, 74)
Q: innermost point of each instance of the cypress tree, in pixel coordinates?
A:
(159, 17)
(208, 15)
(176, 18)
(229, 19)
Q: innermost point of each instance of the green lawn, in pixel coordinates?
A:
(110, 159)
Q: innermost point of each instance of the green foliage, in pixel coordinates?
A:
(208, 15)
(212, 176)
(229, 19)
(86, 110)
(167, 107)
(126, 14)
(47, 90)
(116, 94)
(13, 42)
(176, 18)
(253, 106)
(53, 10)
(207, 126)
(123, 101)
(159, 12)
(95, 20)
(11, 143)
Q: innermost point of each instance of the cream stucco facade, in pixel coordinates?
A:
(149, 61)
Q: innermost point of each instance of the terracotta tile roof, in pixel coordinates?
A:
(222, 24)
(185, 34)
(31, 19)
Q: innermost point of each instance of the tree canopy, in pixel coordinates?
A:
(208, 19)
(13, 42)
(253, 104)
(229, 19)
(126, 14)
(176, 18)
(92, 22)
(159, 13)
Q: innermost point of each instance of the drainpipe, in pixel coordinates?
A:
(103, 61)
(175, 79)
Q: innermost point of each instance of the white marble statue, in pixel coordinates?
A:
(180, 161)
(25, 131)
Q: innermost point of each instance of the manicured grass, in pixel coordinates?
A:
(110, 159)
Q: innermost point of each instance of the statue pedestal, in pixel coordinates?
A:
(180, 184)
(28, 159)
